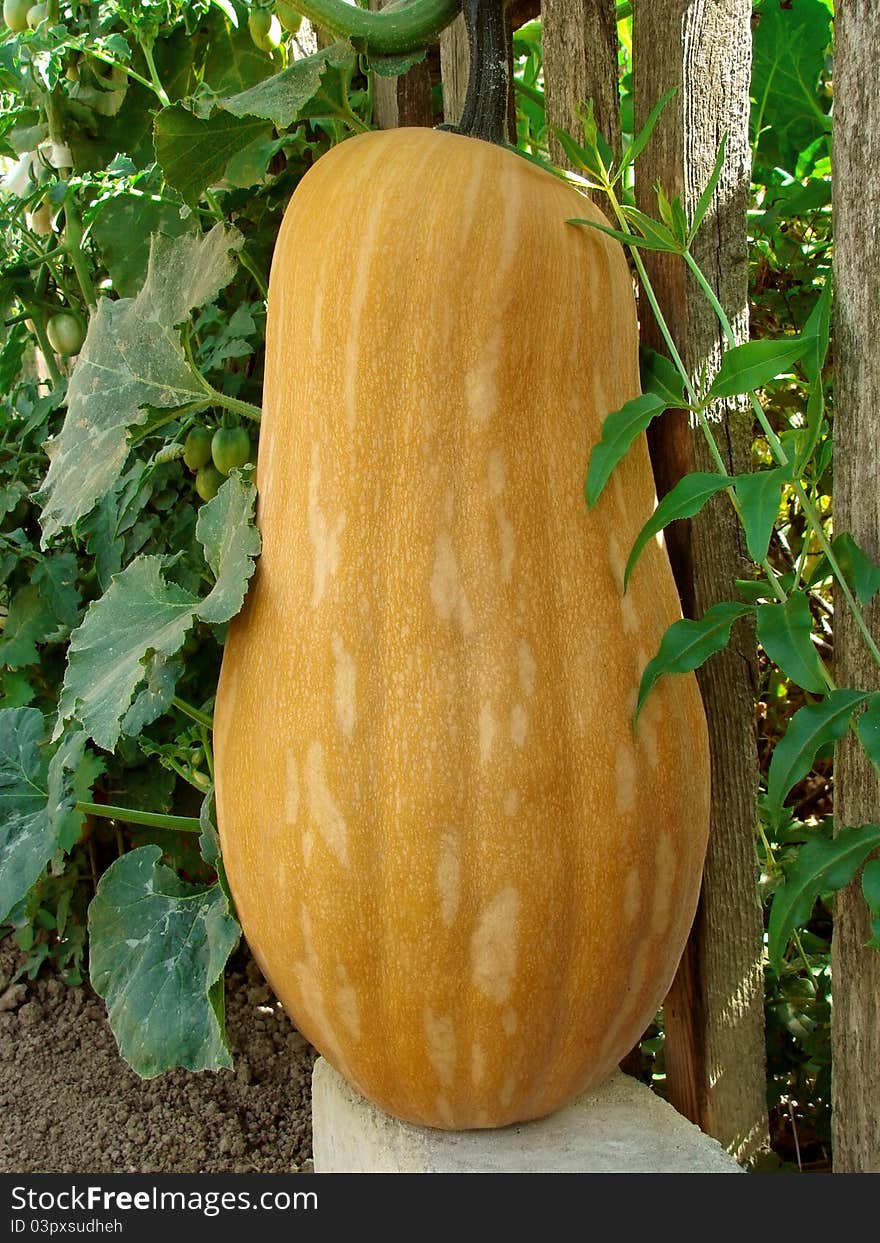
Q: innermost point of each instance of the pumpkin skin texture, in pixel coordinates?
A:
(464, 875)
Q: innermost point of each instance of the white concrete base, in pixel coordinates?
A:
(620, 1128)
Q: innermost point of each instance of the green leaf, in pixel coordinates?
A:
(394, 66)
(70, 774)
(131, 358)
(809, 729)
(860, 571)
(157, 949)
(822, 866)
(193, 153)
(688, 644)
(758, 494)
(139, 613)
(27, 835)
(619, 430)
(628, 239)
(747, 367)
(868, 729)
(55, 576)
(706, 197)
(817, 334)
(17, 690)
(650, 229)
(788, 56)
(161, 675)
(871, 885)
(660, 376)
(685, 500)
(30, 621)
(231, 542)
(640, 141)
(284, 97)
(784, 631)
(123, 227)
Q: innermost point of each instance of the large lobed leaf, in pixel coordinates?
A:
(157, 950)
(121, 673)
(131, 358)
(38, 795)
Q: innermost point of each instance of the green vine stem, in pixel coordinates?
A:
(392, 32)
(36, 316)
(694, 398)
(201, 718)
(156, 87)
(244, 408)
(146, 46)
(149, 819)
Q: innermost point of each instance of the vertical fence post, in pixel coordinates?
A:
(404, 100)
(714, 1018)
(580, 63)
(855, 1024)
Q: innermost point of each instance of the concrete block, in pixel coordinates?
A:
(621, 1127)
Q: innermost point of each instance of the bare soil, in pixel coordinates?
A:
(69, 1104)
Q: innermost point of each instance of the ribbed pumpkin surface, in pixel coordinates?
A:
(466, 878)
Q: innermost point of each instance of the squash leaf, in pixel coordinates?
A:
(159, 946)
(195, 152)
(822, 866)
(688, 644)
(38, 794)
(128, 636)
(308, 87)
(131, 358)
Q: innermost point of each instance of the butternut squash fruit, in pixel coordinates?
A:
(463, 873)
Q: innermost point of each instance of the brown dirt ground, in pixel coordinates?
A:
(69, 1104)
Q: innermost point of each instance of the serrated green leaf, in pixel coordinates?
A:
(784, 630)
(231, 542)
(157, 949)
(161, 675)
(284, 97)
(868, 729)
(123, 226)
(685, 500)
(747, 367)
(139, 613)
(619, 430)
(27, 836)
(193, 152)
(30, 621)
(758, 494)
(809, 729)
(131, 358)
(16, 690)
(55, 576)
(688, 644)
(822, 866)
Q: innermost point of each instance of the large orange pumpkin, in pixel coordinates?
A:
(465, 875)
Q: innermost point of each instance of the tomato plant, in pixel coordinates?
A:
(15, 14)
(197, 447)
(65, 333)
(230, 447)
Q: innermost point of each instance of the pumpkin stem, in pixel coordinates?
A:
(485, 105)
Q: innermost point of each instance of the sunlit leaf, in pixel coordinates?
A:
(685, 500)
(755, 363)
(619, 430)
(688, 644)
(784, 631)
(809, 729)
